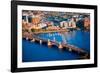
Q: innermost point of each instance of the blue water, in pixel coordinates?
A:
(77, 38)
(35, 52)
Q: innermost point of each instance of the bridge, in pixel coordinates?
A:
(83, 54)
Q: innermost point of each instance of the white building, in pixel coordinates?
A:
(42, 25)
(64, 24)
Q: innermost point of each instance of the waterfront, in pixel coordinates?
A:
(53, 36)
(33, 51)
(78, 38)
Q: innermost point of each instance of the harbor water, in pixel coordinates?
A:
(33, 52)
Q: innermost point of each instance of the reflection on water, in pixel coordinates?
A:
(35, 52)
(77, 38)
